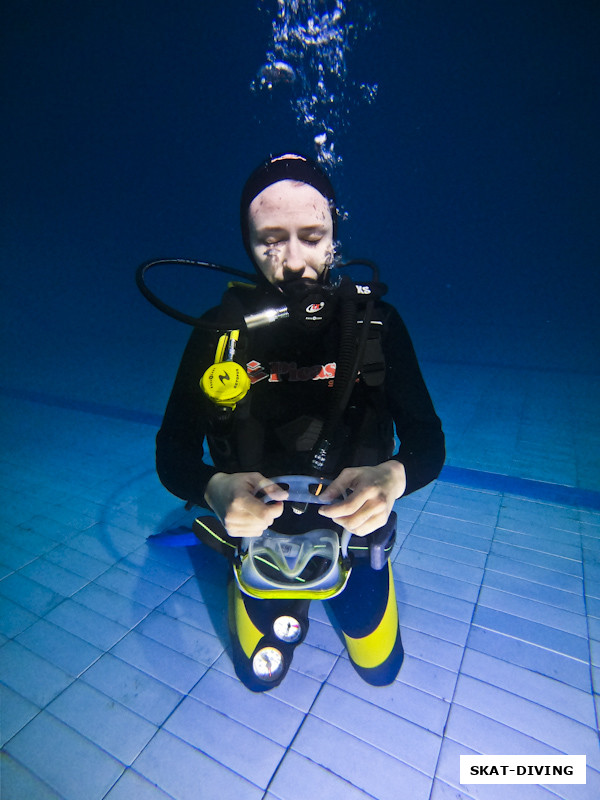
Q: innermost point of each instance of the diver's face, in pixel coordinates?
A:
(291, 232)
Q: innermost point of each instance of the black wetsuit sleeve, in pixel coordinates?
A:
(180, 441)
(422, 444)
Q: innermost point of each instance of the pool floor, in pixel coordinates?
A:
(116, 677)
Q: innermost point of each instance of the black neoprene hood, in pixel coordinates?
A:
(288, 166)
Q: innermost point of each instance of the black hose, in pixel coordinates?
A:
(347, 369)
(196, 322)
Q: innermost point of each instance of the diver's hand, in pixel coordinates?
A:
(233, 499)
(373, 493)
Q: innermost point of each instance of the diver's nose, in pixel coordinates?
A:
(293, 259)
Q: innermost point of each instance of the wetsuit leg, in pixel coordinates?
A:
(251, 627)
(367, 614)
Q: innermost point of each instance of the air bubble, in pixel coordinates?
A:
(307, 53)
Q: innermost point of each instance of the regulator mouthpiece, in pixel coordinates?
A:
(311, 305)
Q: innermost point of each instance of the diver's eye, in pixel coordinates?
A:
(312, 241)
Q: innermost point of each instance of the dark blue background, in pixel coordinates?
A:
(129, 127)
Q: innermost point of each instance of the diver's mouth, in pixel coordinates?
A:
(305, 279)
(292, 287)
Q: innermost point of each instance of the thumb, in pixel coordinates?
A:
(335, 491)
(273, 490)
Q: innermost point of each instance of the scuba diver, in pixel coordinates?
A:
(318, 393)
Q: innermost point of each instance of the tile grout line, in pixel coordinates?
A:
(471, 625)
(296, 734)
(594, 690)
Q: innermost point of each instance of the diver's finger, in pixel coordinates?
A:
(346, 507)
(274, 510)
(338, 487)
(357, 511)
(251, 517)
(271, 489)
(371, 524)
(276, 492)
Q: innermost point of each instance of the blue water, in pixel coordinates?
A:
(129, 128)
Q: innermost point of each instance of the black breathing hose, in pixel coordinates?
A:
(347, 368)
(196, 322)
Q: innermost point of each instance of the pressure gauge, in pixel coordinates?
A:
(268, 664)
(287, 629)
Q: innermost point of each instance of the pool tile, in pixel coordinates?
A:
(440, 566)
(541, 724)
(534, 632)
(111, 605)
(76, 562)
(105, 543)
(449, 773)
(30, 675)
(13, 557)
(117, 730)
(346, 756)
(14, 619)
(438, 625)
(539, 575)
(139, 563)
(299, 778)
(254, 757)
(132, 688)
(185, 639)
(297, 690)
(19, 782)
(160, 662)
(132, 786)
(541, 542)
(261, 712)
(429, 648)
(76, 535)
(414, 705)
(81, 621)
(16, 713)
(544, 593)
(29, 594)
(531, 685)
(442, 584)
(313, 661)
(133, 587)
(484, 735)
(529, 555)
(186, 773)
(322, 636)
(554, 665)
(533, 611)
(66, 651)
(190, 611)
(390, 733)
(429, 529)
(70, 764)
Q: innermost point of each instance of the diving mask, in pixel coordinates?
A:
(311, 565)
